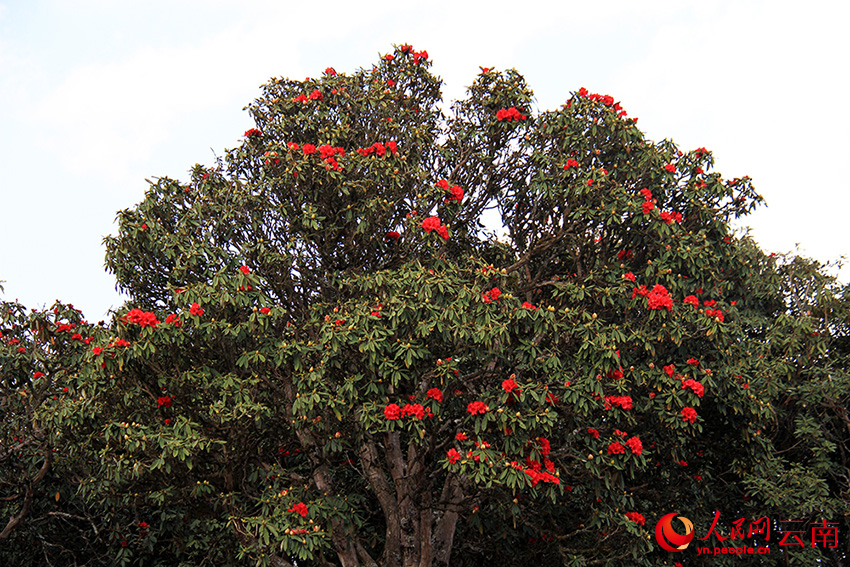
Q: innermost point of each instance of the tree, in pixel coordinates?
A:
(329, 359)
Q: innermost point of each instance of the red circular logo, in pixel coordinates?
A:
(668, 538)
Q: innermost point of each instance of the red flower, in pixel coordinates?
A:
(413, 410)
(299, 508)
(697, 387)
(452, 455)
(616, 449)
(683, 463)
(624, 402)
(308, 149)
(393, 147)
(392, 234)
(316, 95)
(252, 132)
(636, 517)
(144, 525)
(658, 298)
(163, 402)
(635, 445)
(330, 71)
(265, 310)
(141, 318)
(390, 83)
(492, 295)
(392, 412)
(38, 375)
(97, 350)
(647, 194)
(691, 300)
(433, 223)
(647, 207)
(300, 98)
(629, 276)
(570, 163)
(545, 446)
(693, 362)
(593, 432)
(195, 309)
(670, 167)
(388, 57)
(510, 114)
(245, 270)
(461, 436)
(669, 370)
(528, 305)
(434, 394)
(689, 414)
(477, 407)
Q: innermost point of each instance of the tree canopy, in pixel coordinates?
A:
(377, 333)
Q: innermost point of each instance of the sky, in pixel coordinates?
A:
(97, 95)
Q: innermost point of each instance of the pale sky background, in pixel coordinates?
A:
(97, 95)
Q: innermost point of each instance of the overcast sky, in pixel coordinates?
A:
(97, 95)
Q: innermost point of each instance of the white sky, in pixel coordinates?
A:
(96, 95)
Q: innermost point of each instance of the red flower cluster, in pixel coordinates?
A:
(195, 309)
(265, 310)
(691, 300)
(616, 448)
(593, 432)
(689, 414)
(635, 445)
(545, 446)
(455, 190)
(392, 412)
(669, 370)
(541, 476)
(510, 385)
(434, 394)
(413, 410)
(315, 95)
(670, 218)
(299, 508)
(245, 270)
(452, 455)
(570, 163)
(172, 318)
(492, 295)
(379, 149)
(528, 305)
(461, 436)
(693, 361)
(330, 71)
(624, 255)
(629, 276)
(253, 132)
(434, 223)
(477, 407)
(697, 387)
(624, 402)
(670, 168)
(636, 517)
(141, 318)
(659, 298)
(715, 313)
(510, 114)
(163, 402)
(392, 234)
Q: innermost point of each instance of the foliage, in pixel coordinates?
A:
(328, 358)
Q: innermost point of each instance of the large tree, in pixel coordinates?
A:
(329, 358)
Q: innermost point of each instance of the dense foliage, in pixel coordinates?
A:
(328, 358)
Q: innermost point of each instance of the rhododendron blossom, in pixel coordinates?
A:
(635, 445)
(434, 394)
(477, 408)
(636, 517)
(392, 412)
(299, 508)
(452, 455)
(616, 448)
(689, 414)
